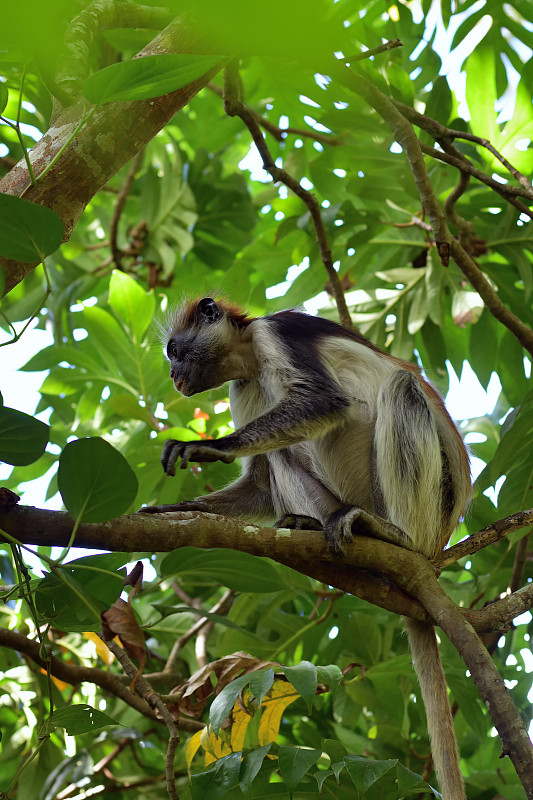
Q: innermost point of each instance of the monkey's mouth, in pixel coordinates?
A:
(181, 386)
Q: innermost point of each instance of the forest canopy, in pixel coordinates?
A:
(368, 161)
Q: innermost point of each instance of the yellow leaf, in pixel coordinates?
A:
(102, 650)
(191, 747)
(280, 696)
(56, 681)
(241, 720)
(216, 747)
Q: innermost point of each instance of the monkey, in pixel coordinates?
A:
(331, 431)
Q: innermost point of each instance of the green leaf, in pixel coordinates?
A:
(95, 480)
(81, 719)
(224, 702)
(261, 682)
(331, 675)
(365, 772)
(251, 766)
(304, 679)
(294, 762)
(22, 437)
(132, 304)
(146, 77)
(168, 611)
(4, 97)
(240, 571)
(28, 232)
(217, 782)
(481, 93)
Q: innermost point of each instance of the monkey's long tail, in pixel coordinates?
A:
(428, 667)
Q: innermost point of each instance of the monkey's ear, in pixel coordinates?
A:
(208, 309)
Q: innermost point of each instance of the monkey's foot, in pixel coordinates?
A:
(191, 451)
(339, 528)
(299, 522)
(187, 505)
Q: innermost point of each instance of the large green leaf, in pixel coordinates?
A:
(95, 480)
(132, 304)
(28, 232)
(240, 571)
(22, 437)
(146, 77)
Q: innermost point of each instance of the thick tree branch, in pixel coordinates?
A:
(110, 138)
(370, 569)
(508, 723)
(411, 572)
(98, 16)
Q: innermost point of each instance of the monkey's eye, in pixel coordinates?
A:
(172, 351)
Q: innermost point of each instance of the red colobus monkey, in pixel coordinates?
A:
(329, 428)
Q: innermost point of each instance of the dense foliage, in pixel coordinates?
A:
(318, 683)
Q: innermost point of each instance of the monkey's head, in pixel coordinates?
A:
(204, 346)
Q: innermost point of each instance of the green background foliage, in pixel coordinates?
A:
(194, 220)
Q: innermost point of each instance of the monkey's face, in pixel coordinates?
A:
(194, 364)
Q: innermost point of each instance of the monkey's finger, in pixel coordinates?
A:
(173, 453)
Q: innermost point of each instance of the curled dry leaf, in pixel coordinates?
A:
(192, 696)
(119, 620)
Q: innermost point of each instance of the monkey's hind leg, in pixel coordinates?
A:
(342, 524)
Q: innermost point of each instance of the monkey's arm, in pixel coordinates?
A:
(301, 416)
(249, 496)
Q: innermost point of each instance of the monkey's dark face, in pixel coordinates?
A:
(194, 367)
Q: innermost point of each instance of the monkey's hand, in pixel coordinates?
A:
(186, 505)
(339, 529)
(191, 451)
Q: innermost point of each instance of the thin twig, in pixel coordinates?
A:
(492, 533)
(519, 564)
(281, 133)
(220, 607)
(509, 193)
(123, 194)
(234, 107)
(153, 699)
(447, 244)
(374, 51)
(441, 132)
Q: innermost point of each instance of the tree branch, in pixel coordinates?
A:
(446, 243)
(456, 159)
(492, 533)
(441, 132)
(152, 698)
(411, 572)
(123, 194)
(280, 134)
(382, 48)
(95, 155)
(234, 107)
(100, 15)
(508, 723)
(77, 674)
